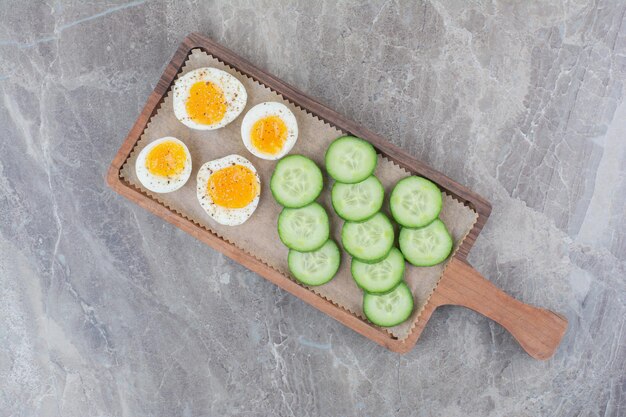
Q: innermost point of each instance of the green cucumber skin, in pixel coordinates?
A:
(379, 292)
(426, 264)
(415, 227)
(395, 215)
(335, 175)
(303, 281)
(348, 220)
(364, 219)
(309, 250)
(410, 310)
(282, 202)
(368, 261)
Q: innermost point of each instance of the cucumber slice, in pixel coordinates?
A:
(350, 159)
(360, 201)
(317, 267)
(427, 246)
(381, 277)
(369, 241)
(415, 202)
(389, 309)
(304, 229)
(296, 181)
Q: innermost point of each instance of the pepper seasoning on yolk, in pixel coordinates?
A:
(228, 189)
(233, 187)
(166, 159)
(269, 134)
(269, 130)
(206, 103)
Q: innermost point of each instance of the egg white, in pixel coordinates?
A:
(223, 215)
(234, 93)
(157, 183)
(262, 110)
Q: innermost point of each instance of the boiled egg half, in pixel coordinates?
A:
(164, 165)
(269, 130)
(228, 189)
(208, 98)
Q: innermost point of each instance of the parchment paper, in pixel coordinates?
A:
(259, 236)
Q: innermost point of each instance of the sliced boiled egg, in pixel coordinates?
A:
(164, 165)
(208, 98)
(269, 130)
(228, 189)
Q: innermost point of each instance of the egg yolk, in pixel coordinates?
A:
(167, 159)
(269, 134)
(206, 103)
(233, 187)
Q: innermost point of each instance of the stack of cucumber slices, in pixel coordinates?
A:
(303, 224)
(367, 234)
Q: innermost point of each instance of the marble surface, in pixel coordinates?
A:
(106, 310)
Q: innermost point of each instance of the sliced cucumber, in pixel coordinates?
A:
(415, 202)
(369, 241)
(350, 159)
(304, 229)
(360, 201)
(426, 246)
(389, 309)
(317, 267)
(296, 181)
(381, 277)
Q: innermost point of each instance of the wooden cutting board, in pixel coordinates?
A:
(538, 331)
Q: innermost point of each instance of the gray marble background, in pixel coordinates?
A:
(106, 310)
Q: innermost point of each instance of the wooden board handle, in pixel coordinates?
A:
(538, 331)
